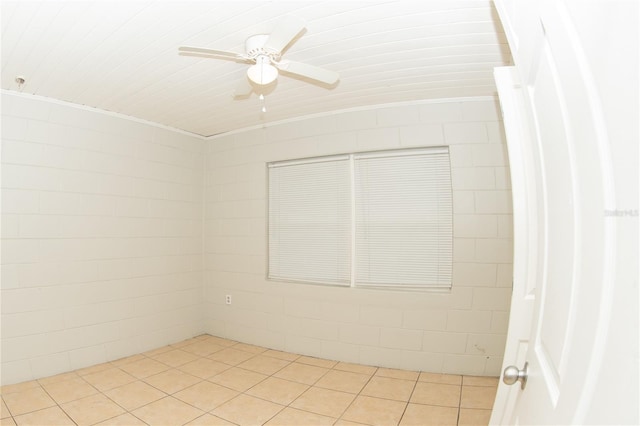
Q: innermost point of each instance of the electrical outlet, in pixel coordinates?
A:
(227, 299)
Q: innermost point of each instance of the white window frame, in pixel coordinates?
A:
(444, 267)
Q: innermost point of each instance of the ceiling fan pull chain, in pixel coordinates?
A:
(264, 107)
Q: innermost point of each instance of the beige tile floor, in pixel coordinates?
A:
(212, 381)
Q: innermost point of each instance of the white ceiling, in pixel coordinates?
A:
(122, 56)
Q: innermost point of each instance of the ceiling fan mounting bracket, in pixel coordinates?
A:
(254, 47)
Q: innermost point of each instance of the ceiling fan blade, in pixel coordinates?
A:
(309, 71)
(243, 88)
(284, 33)
(186, 50)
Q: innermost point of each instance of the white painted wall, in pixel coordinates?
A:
(102, 241)
(462, 332)
(101, 237)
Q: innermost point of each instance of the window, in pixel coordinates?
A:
(381, 219)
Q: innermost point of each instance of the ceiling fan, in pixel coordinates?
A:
(264, 51)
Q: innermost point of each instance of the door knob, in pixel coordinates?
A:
(512, 375)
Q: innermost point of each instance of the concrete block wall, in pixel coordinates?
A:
(101, 249)
(459, 332)
(105, 253)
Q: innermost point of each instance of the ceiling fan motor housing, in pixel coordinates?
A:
(254, 46)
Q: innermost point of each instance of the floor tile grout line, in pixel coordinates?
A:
(57, 404)
(137, 379)
(198, 356)
(5, 404)
(110, 399)
(310, 386)
(273, 375)
(357, 395)
(460, 402)
(409, 399)
(315, 384)
(271, 418)
(256, 384)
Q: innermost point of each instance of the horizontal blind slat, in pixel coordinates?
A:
(309, 221)
(403, 220)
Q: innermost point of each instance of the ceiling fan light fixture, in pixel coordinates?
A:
(262, 72)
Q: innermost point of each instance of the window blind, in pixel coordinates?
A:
(310, 220)
(403, 219)
(368, 219)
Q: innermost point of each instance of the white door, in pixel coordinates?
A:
(574, 178)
